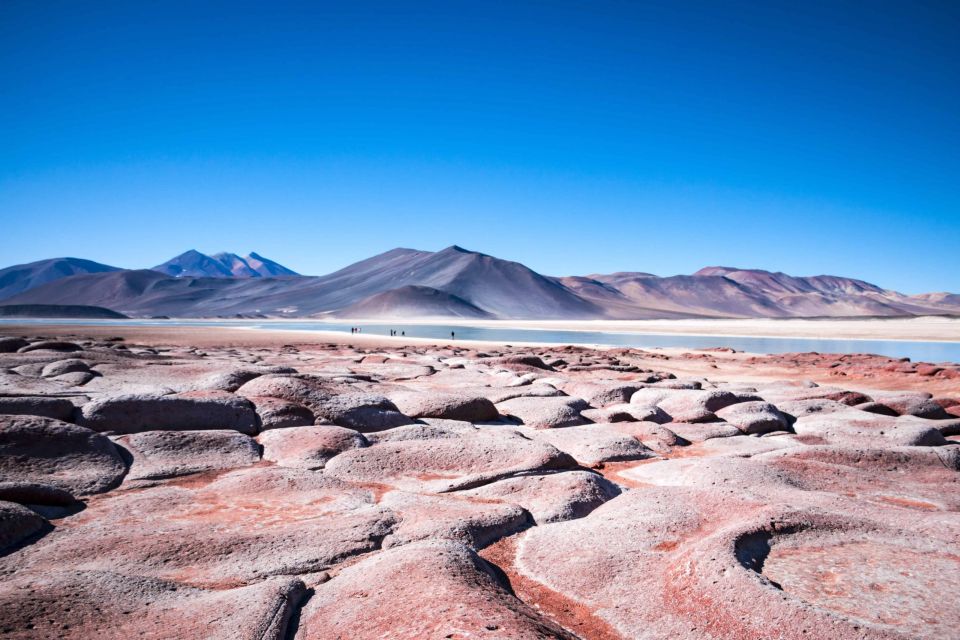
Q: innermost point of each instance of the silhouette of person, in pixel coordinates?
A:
(452, 336)
(403, 333)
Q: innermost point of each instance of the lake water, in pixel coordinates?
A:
(916, 351)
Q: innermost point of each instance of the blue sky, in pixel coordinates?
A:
(575, 137)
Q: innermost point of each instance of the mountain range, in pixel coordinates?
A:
(454, 282)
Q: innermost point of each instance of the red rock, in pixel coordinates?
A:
(754, 417)
(449, 406)
(167, 454)
(17, 523)
(94, 604)
(457, 595)
(72, 458)
(545, 413)
(186, 412)
(308, 447)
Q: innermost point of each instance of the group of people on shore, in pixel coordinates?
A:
(394, 333)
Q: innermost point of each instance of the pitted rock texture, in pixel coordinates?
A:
(287, 490)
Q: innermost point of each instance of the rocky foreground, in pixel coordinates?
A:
(223, 488)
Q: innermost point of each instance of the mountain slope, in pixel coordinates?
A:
(456, 282)
(23, 277)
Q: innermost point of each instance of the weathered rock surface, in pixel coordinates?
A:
(183, 412)
(449, 406)
(545, 413)
(308, 447)
(167, 454)
(72, 458)
(17, 523)
(100, 604)
(56, 408)
(754, 417)
(457, 595)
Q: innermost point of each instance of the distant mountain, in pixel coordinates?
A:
(23, 277)
(194, 264)
(459, 283)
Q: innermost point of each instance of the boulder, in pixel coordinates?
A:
(545, 413)
(69, 457)
(457, 595)
(277, 413)
(593, 444)
(448, 464)
(754, 417)
(184, 412)
(690, 405)
(36, 493)
(167, 454)
(17, 523)
(56, 408)
(51, 345)
(10, 345)
(449, 406)
(60, 367)
(552, 497)
(79, 605)
(308, 447)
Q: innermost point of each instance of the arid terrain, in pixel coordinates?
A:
(220, 483)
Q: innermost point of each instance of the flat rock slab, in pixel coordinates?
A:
(95, 604)
(308, 447)
(184, 412)
(457, 595)
(245, 525)
(448, 464)
(168, 454)
(72, 458)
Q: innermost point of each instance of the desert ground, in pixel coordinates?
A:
(172, 482)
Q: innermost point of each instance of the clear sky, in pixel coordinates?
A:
(575, 137)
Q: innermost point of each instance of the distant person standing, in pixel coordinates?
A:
(453, 336)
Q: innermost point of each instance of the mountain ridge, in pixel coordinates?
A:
(457, 282)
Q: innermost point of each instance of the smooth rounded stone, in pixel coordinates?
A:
(17, 523)
(277, 413)
(184, 412)
(363, 412)
(519, 363)
(424, 429)
(856, 427)
(75, 379)
(744, 446)
(168, 454)
(654, 436)
(449, 406)
(876, 407)
(552, 497)
(457, 595)
(308, 447)
(51, 345)
(60, 367)
(689, 405)
(448, 464)
(10, 345)
(287, 387)
(37, 493)
(545, 413)
(72, 458)
(920, 405)
(228, 380)
(56, 408)
(593, 444)
(449, 516)
(603, 395)
(244, 525)
(754, 417)
(497, 395)
(699, 432)
(80, 605)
